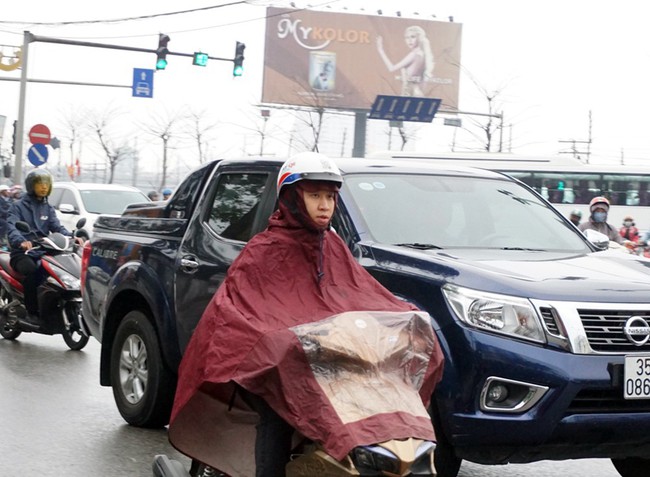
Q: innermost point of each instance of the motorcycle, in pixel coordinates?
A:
(59, 294)
(366, 367)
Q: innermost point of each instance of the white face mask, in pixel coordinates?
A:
(628, 223)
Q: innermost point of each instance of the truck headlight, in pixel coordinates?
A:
(497, 313)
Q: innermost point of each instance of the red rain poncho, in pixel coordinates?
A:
(290, 274)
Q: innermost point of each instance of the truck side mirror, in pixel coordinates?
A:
(598, 240)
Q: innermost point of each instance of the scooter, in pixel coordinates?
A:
(59, 295)
(368, 365)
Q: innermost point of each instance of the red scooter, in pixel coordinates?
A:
(59, 295)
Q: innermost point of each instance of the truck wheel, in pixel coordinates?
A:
(445, 461)
(143, 387)
(632, 466)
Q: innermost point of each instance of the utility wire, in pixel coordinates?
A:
(118, 20)
(250, 2)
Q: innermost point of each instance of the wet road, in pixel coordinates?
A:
(57, 420)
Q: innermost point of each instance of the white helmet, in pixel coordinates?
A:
(308, 165)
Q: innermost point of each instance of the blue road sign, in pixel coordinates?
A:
(404, 108)
(142, 86)
(37, 154)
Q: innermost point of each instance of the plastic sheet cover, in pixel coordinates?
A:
(369, 363)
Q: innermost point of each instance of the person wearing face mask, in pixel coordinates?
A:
(599, 207)
(628, 230)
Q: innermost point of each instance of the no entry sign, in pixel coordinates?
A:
(39, 134)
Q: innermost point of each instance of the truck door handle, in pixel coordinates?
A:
(189, 265)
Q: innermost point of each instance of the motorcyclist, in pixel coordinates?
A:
(5, 204)
(34, 209)
(297, 271)
(599, 207)
(575, 217)
(628, 230)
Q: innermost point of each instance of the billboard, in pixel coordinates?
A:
(343, 61)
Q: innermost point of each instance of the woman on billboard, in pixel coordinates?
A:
(417, 66)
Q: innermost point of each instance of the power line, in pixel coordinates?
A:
(142, 35)
(119, 20)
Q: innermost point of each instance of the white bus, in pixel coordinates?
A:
(564, 181)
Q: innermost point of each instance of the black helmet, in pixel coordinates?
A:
(38, 176)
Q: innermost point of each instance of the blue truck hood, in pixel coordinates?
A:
(611, 276)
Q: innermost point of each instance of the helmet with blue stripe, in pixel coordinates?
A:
(308, 166)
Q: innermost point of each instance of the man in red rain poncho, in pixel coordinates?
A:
(297, 271)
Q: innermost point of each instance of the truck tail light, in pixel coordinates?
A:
(85, 259)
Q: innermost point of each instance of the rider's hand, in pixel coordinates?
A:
(26, 245)
(79, 241)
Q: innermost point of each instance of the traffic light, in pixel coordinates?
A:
(14, 139)
(161, 51)
(200, 59)
(238, 68)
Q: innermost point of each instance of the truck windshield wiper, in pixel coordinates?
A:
(419, 246)
(524, 249)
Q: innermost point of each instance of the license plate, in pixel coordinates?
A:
(636, 384)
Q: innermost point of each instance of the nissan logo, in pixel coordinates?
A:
(637, 330)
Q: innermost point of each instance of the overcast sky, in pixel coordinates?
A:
(553, 62)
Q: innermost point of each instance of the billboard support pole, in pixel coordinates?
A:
(360, 120)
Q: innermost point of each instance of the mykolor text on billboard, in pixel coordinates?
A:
(343, 61)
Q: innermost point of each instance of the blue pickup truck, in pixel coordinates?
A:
(546, 337)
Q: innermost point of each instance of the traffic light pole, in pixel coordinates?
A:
(18, 159)
(45, 39)
(29, 38)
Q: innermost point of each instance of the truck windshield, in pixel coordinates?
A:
(449, 211)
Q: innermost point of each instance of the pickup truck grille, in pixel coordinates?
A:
(594, 401)
(604, 329)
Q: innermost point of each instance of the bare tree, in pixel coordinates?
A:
(116, 150)
(259, 122)
(163, 127)
(74, 121)
(488, 126)
(311, 114)
(198, 131)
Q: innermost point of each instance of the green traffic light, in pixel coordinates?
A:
(161, 64)
(238, 60)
